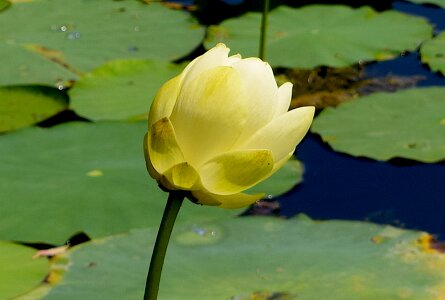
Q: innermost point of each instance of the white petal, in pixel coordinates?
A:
(209, 114)
(283, 134)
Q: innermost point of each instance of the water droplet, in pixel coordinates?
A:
(60, 87)
(197, 235)
(63, 28)
(269, 197)
(73, 35)
(403, 53)
(136, 28)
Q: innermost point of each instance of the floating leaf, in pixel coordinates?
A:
(436, 2)
(79, 177)
(120, 89)
(80, 35)
(282, 181)
(20, 273)
(317, 35)
(264, 257)
(432, 53)
(381, 126)
(25, 67)
(24, 106)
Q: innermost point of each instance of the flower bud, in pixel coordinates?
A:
(221, 127)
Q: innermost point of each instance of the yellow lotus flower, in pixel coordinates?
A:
(220, 127)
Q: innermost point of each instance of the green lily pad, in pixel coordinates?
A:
(24, 106)
(432, 53)
(408, 124)
(440, 3)
(81, 35)
(25, 67)
(282, 181)
(80, 177)
(120, 90)
(261, 258)
(20, 273)
(331, 35)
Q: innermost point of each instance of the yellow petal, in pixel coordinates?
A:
(226, 201)
(151, 170)
(182, 176)
(163, 149)
(283, 134)
(164, 100)
(284, 98)
(209, 114)
(233, 172)
(215, 57)
(262, 91)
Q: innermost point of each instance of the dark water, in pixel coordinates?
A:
(402, 193)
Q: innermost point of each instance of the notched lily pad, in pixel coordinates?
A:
(331, 35)
(432, 53)
(407, 124)
(22, 106)
(269, 258)
(120, 90)
(81, 35)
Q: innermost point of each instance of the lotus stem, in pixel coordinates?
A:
(263, 34)
(172, 207)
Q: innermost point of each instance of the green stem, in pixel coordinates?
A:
(174, 203)
(264, 22)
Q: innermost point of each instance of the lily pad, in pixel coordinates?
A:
(432, 53)
(24, 106)
(331, 35)
(440, 3)
(81, 35)
(25, 67)
(80, 177)
(408, 124)
(20, 273)
(261, 258)
(121, 89)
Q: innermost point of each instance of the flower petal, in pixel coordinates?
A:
(164, 100)
(283, 99)
(151, 170)
(209, 114)
(283, 134)
(163, 149)
(182, 176)
(259, 81)
(233, 172)
(226, 201)
(215, 57)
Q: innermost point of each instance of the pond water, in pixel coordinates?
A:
(403, 193)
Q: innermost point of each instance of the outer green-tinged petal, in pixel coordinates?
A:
(164, 100)
(233, 172)
(283, 134)
(259, 82)
(163, 149)
(215, 57)
(209, 114)
(284, 98)
(182, 176)
(226, 201)
(151, 170)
